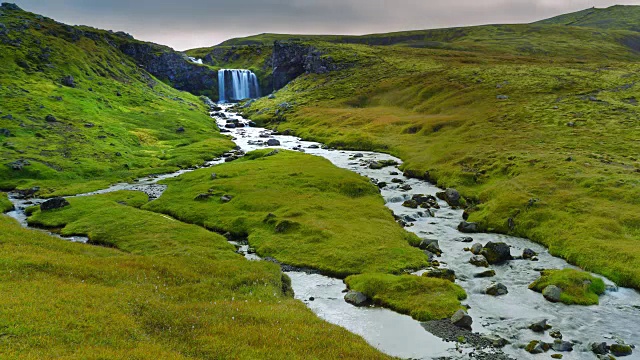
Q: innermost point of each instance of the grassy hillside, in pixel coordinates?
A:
(162, 289)
(546, 137)
(620, 17)
(112, 122)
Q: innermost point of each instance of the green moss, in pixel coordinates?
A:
(5, 204)
(163, 289)
(299, 209)
(578, 287)
(421, 297)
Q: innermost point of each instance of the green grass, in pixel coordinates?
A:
(623, 17)
(438, 111)
(134, 134)
(578, 287)
(5, 204)
(162, 289)
(423, 298)
(299, 209)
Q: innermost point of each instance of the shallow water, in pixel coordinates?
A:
(616, 318)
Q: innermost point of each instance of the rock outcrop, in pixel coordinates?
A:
(292, 59)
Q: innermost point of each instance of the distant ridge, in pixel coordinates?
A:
(618, 17)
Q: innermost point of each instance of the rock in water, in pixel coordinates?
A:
(620, 350)
(496, 253)
(529, 254)
(485, 274)
(562, 346)
(552, 293)
(600, 348)
(476, 249)
(467, 227)
(540, 326)
(273, 142)
(536, 347)
(55, 203)
(479, 260)
(356, 298)
(497, 289)
(446, 274)
(462, 320)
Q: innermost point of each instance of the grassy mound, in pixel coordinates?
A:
(299, 209)
(5, 204)
(578, 287)
(163, 289)
(110, 120)
(423, 298)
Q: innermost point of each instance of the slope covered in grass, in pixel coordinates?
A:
(550, 140)
(621, 17)
(298, 209)
(112, 122)
(164, 290)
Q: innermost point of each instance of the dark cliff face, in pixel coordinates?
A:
(174, 67)
(292, 59)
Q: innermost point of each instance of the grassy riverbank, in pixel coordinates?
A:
(158, 288)
(549, 141)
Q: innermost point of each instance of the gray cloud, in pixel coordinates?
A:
(196, 23)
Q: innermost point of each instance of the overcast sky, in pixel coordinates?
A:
(187, 24)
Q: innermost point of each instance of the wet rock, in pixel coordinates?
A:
(540, 326)
(496, 253)
(55, 203)
(411, 204)
(528, 254)
(620, 350)
(382, 185)
(446, 274)
(562, 346)
(536, 347)
(468, 227)
(497, 342)
(476, 248)
(552, 293)
(356, 298)
(230, 126)
(462, 320)
(496, 289)
(226, 198)
(273, 142)
(431, 245)
(556, 334)
(606, 357)
(599, 348)
(557, 356)
(68, 81)
(357, 156)
(465, 239)
(479, 260)
(50, 118)
(397, 181)
(485, 274)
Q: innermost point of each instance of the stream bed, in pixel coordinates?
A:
(617, 318)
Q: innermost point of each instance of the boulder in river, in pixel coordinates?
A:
(562, 346)
(528, 254)
(464, 239)
(540, 326)
(496, 289)
(479, 260)
(485, 274)
(537, 347)
(468, 227)
(476, 248)
(462, 320)
(620, 349)
(496, 253)
(431, 245)
(600, 348)
(552, 293)
(55, 203)
(273, 142)
(356, 298)
(446, 274)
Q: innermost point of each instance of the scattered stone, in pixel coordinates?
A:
(467, 227)
(479, 260)
(600, 348)
(50, 118)
(620, 350)
(496, 289)
(556, 334)
(356, 298)
(5, 132)
(226, 198)
(552, 293)
(446, 274)
(180, 129)
(68, 81)
(8, 117)
(502, 97)
(562, 346)
(431, 245)
(462, 320)
(271, 96)
(357, 156)
(412, 204)
(118, 154)
(528, 254)
(536, 347)
(55, 203)
(214, 176)
(19, 164)
(465, 239)
(540, 326)
(201, 197)
(230, 126)
(557, 356)
(476, 249)
(118, 93)
(89, 125)
(273, 142)
(485, 274)
(496, 253)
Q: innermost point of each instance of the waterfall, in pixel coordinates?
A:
(237, 84)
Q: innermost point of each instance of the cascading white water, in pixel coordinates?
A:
(237, 84)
